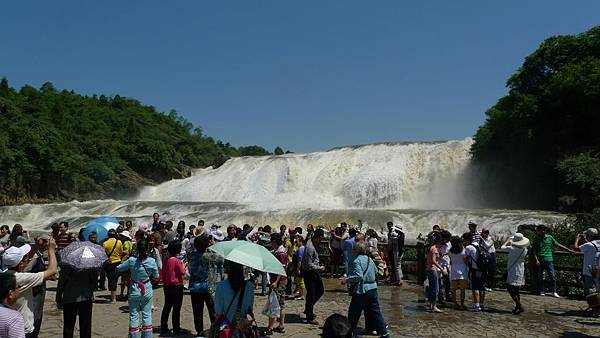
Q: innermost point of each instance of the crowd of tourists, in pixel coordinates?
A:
(147, 257)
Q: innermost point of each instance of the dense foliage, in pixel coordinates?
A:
(540, 143)
(57, 145)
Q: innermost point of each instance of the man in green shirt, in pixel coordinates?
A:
(543, 244)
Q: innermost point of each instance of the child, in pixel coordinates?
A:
(458, 271)
(297, 262)
(143, 270)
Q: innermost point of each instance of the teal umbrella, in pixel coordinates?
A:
(249, 254)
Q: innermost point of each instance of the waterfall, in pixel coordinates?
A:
(412, 184)
(389, 175)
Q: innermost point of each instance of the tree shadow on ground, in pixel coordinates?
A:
(572, 334)
(293, 318)
(498, 311)
(572, 313)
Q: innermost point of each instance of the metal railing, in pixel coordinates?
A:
(567, 268)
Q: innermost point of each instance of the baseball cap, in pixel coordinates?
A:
(14, 255)
(591, 232)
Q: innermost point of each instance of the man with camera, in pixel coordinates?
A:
(591, 256)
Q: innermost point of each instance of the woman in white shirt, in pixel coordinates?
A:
(458, 271)
(516, 246)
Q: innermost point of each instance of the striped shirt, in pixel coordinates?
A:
(62, 241)
(11, 323)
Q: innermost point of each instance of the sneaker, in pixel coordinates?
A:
(488, 290)
(474, 308)
(542, 294)
(435, 309)
(555, 295)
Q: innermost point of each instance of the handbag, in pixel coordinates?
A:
(241, 327)
(221, 327)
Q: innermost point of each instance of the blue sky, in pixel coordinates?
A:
(305, 75)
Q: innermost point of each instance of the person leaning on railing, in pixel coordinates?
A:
(543, 244)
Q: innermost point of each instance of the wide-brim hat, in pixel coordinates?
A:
(217, 235)
(519, 241)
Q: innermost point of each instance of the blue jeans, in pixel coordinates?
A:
(549, 267)
(369, 303)
(434, 286)
(264, 281)
(140, 306)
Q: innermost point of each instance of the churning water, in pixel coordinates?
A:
(414, 184)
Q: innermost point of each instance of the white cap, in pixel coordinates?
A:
(14, 255)
(125, 233)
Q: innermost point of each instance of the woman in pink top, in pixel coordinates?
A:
(173, 272)
(433, 272)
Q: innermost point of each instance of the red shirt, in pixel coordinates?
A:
(173, 271)
(433, 251)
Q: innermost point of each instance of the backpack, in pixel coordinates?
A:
(483, 258)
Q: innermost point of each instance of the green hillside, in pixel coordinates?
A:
(59, 145)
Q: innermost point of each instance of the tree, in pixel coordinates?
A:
(547, 122)
(278, 151)
(57, 145)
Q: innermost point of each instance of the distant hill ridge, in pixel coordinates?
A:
(59, 145)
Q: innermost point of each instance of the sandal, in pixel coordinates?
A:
(279, 329)
(269, 332)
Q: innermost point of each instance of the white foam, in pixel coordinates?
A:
(370, 176)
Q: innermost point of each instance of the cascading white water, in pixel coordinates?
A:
(413, 184)
(406, 175)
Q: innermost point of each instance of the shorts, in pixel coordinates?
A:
(458, 284)
(337, 256)
(112, 276)
(300, 283)
(477, 278)
(281, 292)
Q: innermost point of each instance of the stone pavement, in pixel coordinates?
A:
(403, 310)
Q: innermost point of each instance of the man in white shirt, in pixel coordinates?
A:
(17, 259)
(591, 254)
(476, 276)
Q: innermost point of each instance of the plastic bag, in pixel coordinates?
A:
(272, 308)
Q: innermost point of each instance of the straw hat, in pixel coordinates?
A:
(519, 241)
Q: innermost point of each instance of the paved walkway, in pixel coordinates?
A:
(403, 310)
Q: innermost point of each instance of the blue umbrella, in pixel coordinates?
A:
(100, 226)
